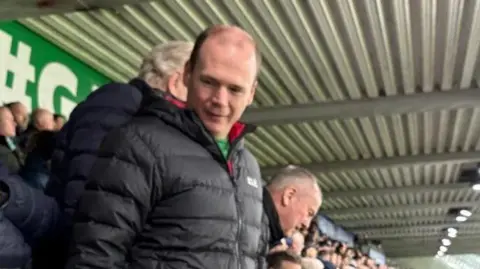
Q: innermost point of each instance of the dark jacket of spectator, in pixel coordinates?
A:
(29, 209)
(112, 105)
(161, 195)
(14, 251)
(272, 233)
(10, 155)
(76, 149)
(36, 170)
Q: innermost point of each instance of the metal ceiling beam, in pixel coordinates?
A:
(423, 234)
(394, 190)
(423, 239)
(351, 224)
(414, 103)
(10, 10)
(432, 244)
(433, 249)
(344, 166)
(365, 210)
(428, 252)
(370, 231)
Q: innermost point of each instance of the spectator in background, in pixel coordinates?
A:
(42, 120)
(371, 263)
(14, 251)
(311, 263)
(110, 106)
(10, 156)
(361, 260)
(190, 190)
(298, 241)
(28, 209)
(36, 170)
(311, 252)
(59, 121)
(291, 200)
(284, 260)
(20, 114)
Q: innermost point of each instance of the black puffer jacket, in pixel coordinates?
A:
(271, 229)
(161, 195)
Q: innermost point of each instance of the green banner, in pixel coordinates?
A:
(40, 74)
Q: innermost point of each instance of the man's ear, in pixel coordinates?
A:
(172, 83)
(287, 196)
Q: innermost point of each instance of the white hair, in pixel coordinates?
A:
(292, 175)
(164, 60)
(312, 263)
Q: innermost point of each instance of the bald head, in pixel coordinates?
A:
(7, 122)
(226, 36)
(43, 120)
(20, 114)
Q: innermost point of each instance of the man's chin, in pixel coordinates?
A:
(215, 129)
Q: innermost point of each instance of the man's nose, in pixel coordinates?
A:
(306, 222)
(220, 96)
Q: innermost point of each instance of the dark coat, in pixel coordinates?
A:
(14, 251)
(161, 195)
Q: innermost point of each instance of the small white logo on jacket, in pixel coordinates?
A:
(252, 182)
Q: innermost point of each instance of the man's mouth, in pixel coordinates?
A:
(214, 115)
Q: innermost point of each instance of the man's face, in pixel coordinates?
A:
(7, 123)
(298, 206)
(20, 114)
(221, 85)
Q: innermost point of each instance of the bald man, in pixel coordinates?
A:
(176, 188)
(43, 120)
(290, 200)
(20, 114)
(7, 123)
(9, 155)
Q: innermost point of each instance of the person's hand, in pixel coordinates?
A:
(280, 247)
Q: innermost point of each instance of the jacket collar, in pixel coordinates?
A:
(276, 232)
(149, 92)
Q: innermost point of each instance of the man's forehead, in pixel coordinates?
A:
(229, 31)
(230, 38)
(5, 113)
(19, 107)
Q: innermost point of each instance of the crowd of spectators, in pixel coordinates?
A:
(314, 250)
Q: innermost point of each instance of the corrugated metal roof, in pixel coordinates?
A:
(446, 262)
(324, 52)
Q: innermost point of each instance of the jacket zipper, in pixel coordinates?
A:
(239, 218)
(232, 173)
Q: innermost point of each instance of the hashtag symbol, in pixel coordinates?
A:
(17, 66)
